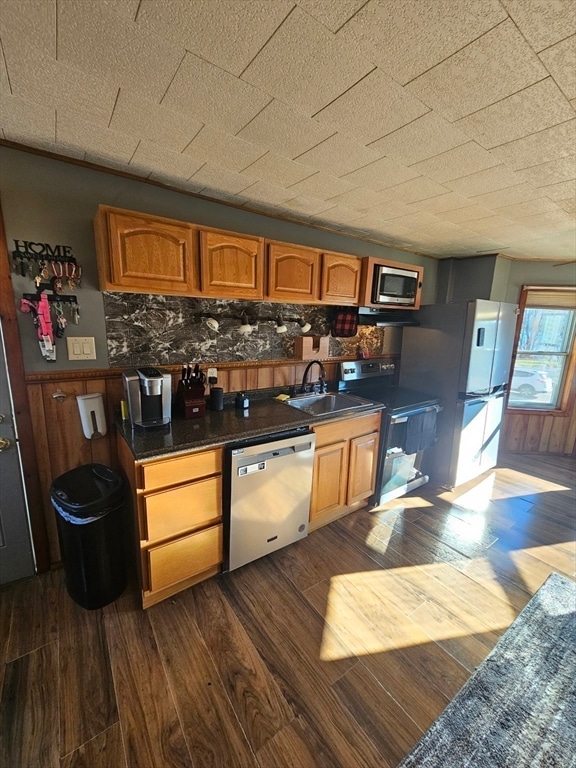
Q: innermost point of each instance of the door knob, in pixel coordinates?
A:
(4, 444)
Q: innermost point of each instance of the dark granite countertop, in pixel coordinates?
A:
(218, 428)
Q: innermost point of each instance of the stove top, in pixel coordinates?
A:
(398, 399)
(372, 379)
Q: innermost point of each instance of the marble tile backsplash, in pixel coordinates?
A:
(147, 329)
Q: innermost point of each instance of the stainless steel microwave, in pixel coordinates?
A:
(395, 286)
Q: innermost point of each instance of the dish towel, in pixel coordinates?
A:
(420, 431)
(344, 322)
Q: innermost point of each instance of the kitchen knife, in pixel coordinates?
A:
(183, 373)
(196, 372)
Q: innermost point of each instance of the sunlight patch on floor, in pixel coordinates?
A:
(476, 498)
(408, 502)
(511, 484)
(470, 530)
(560, 556)
(367, 612)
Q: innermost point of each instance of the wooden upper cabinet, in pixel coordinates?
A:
(293, 273)
(232, 266)
(340, 279)
(368, 269)
(145, 254)
(149, 254)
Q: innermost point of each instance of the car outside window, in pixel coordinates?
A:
(544, 347)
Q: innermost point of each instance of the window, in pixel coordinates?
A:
(544, 349)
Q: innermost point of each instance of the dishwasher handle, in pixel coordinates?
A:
(247, 465)
(250, 469)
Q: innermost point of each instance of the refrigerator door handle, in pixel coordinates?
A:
(480, 337)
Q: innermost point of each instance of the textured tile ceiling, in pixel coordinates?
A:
(446, 128)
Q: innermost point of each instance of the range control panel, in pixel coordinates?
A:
(353, 370)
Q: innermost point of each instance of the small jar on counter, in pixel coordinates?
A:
(242, 401)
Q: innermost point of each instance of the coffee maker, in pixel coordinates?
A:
(148, 394)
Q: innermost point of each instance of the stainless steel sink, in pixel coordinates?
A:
(329, 402)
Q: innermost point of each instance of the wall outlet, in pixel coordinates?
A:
(81, 348)
(212, 375)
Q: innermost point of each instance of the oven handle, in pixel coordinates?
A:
(401, 418)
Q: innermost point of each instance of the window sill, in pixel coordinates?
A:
(537, 411)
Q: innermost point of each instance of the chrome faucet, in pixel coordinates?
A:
(320, 385)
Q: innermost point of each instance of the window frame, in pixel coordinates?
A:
(567, 398)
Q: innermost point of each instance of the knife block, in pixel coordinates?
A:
(190, 402)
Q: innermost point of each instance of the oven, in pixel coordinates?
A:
(408, 424)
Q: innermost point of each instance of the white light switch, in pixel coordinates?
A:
(81, 348)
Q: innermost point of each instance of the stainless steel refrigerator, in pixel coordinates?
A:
(462, 353)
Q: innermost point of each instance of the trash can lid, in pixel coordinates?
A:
(86, 489)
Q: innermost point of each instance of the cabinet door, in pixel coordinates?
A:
(231, 266)
(293, 273)
(340, 279)
(362, 467)
(330, 479)
(148, 254)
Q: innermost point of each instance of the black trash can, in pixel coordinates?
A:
(90, 510)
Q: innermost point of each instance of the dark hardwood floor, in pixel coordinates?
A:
(336, 651)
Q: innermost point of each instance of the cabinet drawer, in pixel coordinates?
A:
(181, 559)
(180, 509)
(347, 428)
(190, 467)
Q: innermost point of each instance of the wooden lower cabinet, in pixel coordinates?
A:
(178, 520)
(345, 465)
(177, 502)
(330, 479)
(362, 467)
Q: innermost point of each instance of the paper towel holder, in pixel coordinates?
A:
(92, 415)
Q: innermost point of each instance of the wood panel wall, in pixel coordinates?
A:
(549, 432)
(546, 433)
(57, 431)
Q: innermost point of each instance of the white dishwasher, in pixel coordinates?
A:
(270, 482)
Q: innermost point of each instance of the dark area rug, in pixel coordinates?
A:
(518, 709)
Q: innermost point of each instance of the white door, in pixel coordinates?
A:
(16, 553)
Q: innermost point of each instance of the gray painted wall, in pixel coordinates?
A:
(47, 200)
(538, 273)
(480, 277)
